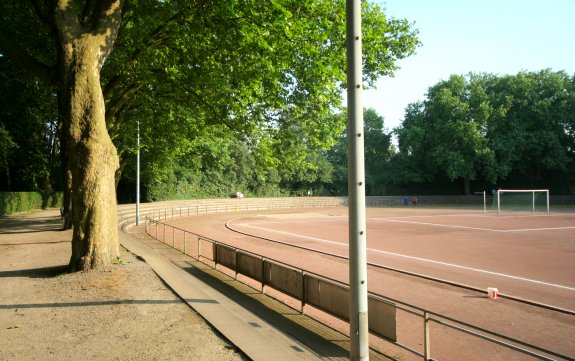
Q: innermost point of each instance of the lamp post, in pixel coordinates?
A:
(138, 175)
(358, 317)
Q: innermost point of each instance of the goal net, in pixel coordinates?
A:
(525, 200)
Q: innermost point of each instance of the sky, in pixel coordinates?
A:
(461, 36)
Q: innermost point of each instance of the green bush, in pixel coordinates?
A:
(14, 202)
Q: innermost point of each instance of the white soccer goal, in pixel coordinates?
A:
(527, 200)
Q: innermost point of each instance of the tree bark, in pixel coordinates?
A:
(67, 198)
(91, 156)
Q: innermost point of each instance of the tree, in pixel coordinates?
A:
(445, 134)
(6, 146)
(215, 164)
(78, 38)
(512, 130)
(532, 134)
(248, 65)
(338, 158)
(28, 113)
(412, 164)
(378, 151)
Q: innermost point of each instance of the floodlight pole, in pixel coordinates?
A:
(359, 331)
(138, 176)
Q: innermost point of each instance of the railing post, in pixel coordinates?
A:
(426, 340)
(263, 274)
(215, 255)
(236, 265)
(173, 237)
(185, 242)
(303, 295)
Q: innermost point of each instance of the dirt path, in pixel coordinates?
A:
(121, 313)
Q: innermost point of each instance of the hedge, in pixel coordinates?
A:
(14, 202)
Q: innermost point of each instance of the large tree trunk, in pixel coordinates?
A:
(95, 236)
(92, 158)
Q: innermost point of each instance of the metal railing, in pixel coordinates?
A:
(260, 268)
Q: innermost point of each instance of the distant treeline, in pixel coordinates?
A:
(471, 133)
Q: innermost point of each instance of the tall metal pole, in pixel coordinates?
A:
(359, 331)
(138, 177)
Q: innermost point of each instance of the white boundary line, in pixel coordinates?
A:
(440, 225)
(477, 228)
(476, 270)
(401, 220)
(419, 259)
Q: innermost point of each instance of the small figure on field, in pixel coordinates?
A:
(405, 201)
(414, 201)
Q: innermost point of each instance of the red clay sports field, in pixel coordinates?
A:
(529, 257)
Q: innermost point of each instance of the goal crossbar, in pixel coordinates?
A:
(526, 191)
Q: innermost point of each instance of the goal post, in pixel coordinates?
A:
(528, 200)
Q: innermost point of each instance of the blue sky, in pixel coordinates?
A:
(491, 36)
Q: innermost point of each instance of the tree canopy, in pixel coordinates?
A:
(269, 73)
(512, 130)
(29, 123)
(378, 151)
(271, 76)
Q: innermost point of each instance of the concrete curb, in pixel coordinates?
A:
(254, 335)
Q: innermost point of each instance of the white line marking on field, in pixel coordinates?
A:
(474, 269)
(476, 228)
(296, 235)
(440, 225)
(403, 220)
(304, 221)
(537, 229)
(420, 259)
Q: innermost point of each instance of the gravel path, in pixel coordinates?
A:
(124, 312)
